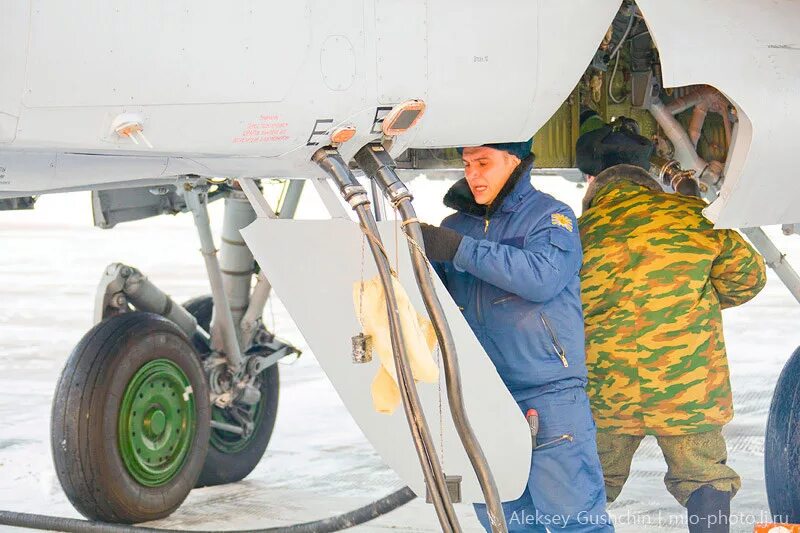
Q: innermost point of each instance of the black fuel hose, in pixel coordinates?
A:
(378, 164)
(331, 162)
(335, 523)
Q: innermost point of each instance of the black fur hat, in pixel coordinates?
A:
(612, 144)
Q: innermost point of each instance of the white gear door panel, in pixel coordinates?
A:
(312, 265)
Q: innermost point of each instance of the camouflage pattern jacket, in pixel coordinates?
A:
(655, 278)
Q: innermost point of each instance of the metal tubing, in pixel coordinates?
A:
(331, 162)
(223, 330)
(683, 145)
(145, 296)
(373, 158)
(775, 259)
(681, 104)
(706, 96)
(251, 189)
(248, 325)
(684, 148)
(292, 198)
(230, 428)
(699, 114)
(258, 299)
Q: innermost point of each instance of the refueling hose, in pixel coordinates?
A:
(376, 162)
(331, 162)
(335, 523)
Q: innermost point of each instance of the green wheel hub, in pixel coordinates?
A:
(156, 422)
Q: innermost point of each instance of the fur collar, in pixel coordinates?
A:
(460, 198)
(615, 174)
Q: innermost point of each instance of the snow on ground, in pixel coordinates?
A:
(318, 463)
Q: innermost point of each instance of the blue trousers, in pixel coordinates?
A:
(565, 490)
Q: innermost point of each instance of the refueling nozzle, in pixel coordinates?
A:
(669, 172)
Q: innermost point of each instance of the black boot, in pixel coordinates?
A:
(709, 510)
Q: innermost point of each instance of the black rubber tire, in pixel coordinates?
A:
(225, 467)
(85, 415)
(782, 445)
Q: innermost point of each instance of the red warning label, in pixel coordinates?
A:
(267, 129)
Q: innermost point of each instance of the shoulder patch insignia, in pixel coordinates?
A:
(557, 219)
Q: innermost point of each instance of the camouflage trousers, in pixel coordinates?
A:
(693, 460)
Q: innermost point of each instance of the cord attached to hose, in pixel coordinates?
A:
(331, 162)
(379, 165)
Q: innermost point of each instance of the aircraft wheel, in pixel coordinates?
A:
(130, 420)
(232, 457)
(782, 445)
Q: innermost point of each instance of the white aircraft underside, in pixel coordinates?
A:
(249, 89)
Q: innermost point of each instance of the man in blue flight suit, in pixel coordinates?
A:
(510, 258)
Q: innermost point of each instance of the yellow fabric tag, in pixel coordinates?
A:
(419, 338)
(557, 219)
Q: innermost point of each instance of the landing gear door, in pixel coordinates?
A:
(313, 265)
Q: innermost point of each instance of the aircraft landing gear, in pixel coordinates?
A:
(130, 420)
(782, 445)
(159, 398)
(233, 455)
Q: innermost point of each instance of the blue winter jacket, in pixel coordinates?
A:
(515, 278)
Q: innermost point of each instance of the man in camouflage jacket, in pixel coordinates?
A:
(655, 277)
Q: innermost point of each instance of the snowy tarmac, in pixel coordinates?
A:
(318, 463)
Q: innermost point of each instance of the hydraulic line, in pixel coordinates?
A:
(223, 334)
(378, 164)
(336, 523)
(332, 163)
(616, 52)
